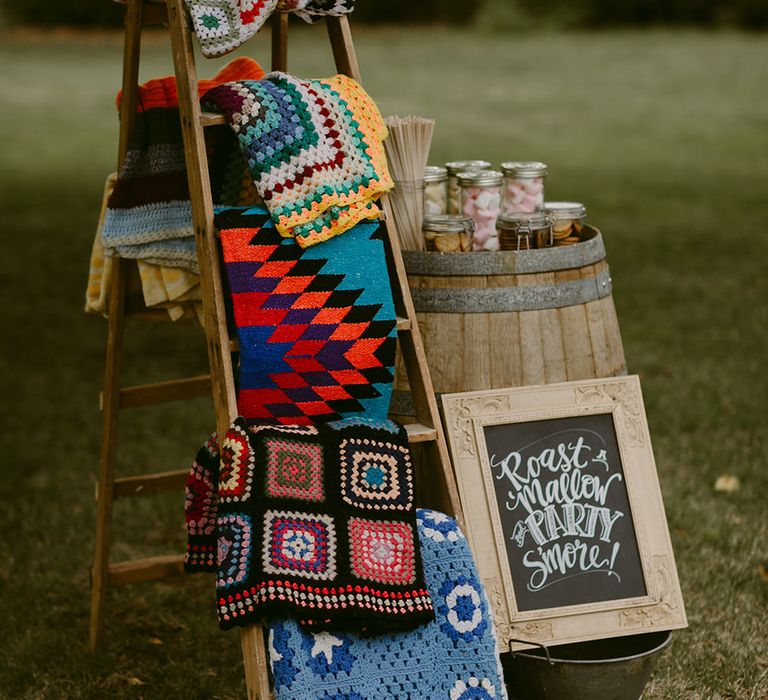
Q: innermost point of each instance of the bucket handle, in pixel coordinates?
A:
(536, 644)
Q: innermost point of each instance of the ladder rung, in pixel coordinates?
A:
(148, 569)
(212, 119)
(147, 484)
(420, 433)
(164, 392)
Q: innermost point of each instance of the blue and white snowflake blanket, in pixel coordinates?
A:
(455, 657)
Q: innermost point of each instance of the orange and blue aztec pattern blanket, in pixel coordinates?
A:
(316, 326)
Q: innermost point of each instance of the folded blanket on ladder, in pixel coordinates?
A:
(316, 522)
(149, 215)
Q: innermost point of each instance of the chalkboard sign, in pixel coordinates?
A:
(564, 510)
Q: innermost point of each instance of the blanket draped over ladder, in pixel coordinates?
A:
(317, 522)
(316, 326)
(314, 148)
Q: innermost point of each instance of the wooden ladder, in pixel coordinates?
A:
(436, 486)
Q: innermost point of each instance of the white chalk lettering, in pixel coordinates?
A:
(562, 496)
(565, 560)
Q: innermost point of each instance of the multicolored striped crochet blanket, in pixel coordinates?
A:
(223, 25)
(316, 522)
(316, 326)
(314, 148)
(454, 657)
(148, 214)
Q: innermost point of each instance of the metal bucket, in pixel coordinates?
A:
(608, 669)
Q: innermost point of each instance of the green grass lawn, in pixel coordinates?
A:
(663, 135)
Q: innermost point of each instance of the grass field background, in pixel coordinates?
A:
(663, 135)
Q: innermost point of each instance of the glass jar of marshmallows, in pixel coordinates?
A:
(523, 186)
(480, 198)
(435, 190)
(454, 168)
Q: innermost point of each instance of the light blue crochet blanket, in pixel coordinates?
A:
(455, 657)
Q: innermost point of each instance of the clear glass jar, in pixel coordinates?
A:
(524, 230)
(435, 190)
(567, 219)
(480, 197)
(523, 186)
(454, 168)
(448, 233)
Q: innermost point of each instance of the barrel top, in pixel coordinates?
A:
(508, 262)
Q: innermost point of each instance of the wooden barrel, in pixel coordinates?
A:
(491, 320)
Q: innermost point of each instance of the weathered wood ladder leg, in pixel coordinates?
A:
(216, 332)
(113, 364)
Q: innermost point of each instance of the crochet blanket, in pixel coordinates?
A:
(452, 658)
(171, 288)
(314, 148)
(313, 521)
(148, 215)
(223, 25)
(316, 326)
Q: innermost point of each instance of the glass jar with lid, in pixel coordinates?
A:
(523, 186)
(435, 190)
(448, 233)
(454, 168)
(524, 230)
(480, 198)
(567, 220)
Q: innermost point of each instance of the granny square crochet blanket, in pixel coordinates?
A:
(454, 657)
(316, 326)
(223, 25)
(314, 148)
(316, 522)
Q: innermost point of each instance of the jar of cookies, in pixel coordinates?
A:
(480, 197)
(435, 190)
(448, 233)
(524, 231)
(523, 186)
(454, 168)
(567, 219)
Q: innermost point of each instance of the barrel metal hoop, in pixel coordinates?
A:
(484, 300)
(507, 262)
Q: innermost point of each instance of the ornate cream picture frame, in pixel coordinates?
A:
(472, 420)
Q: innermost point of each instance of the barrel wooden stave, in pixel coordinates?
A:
(471, 351)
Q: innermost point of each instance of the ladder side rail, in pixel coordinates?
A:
(342, 46)
(216, 331)
(113, 362)
(280, 41)
(441, 478)
(134, 18)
